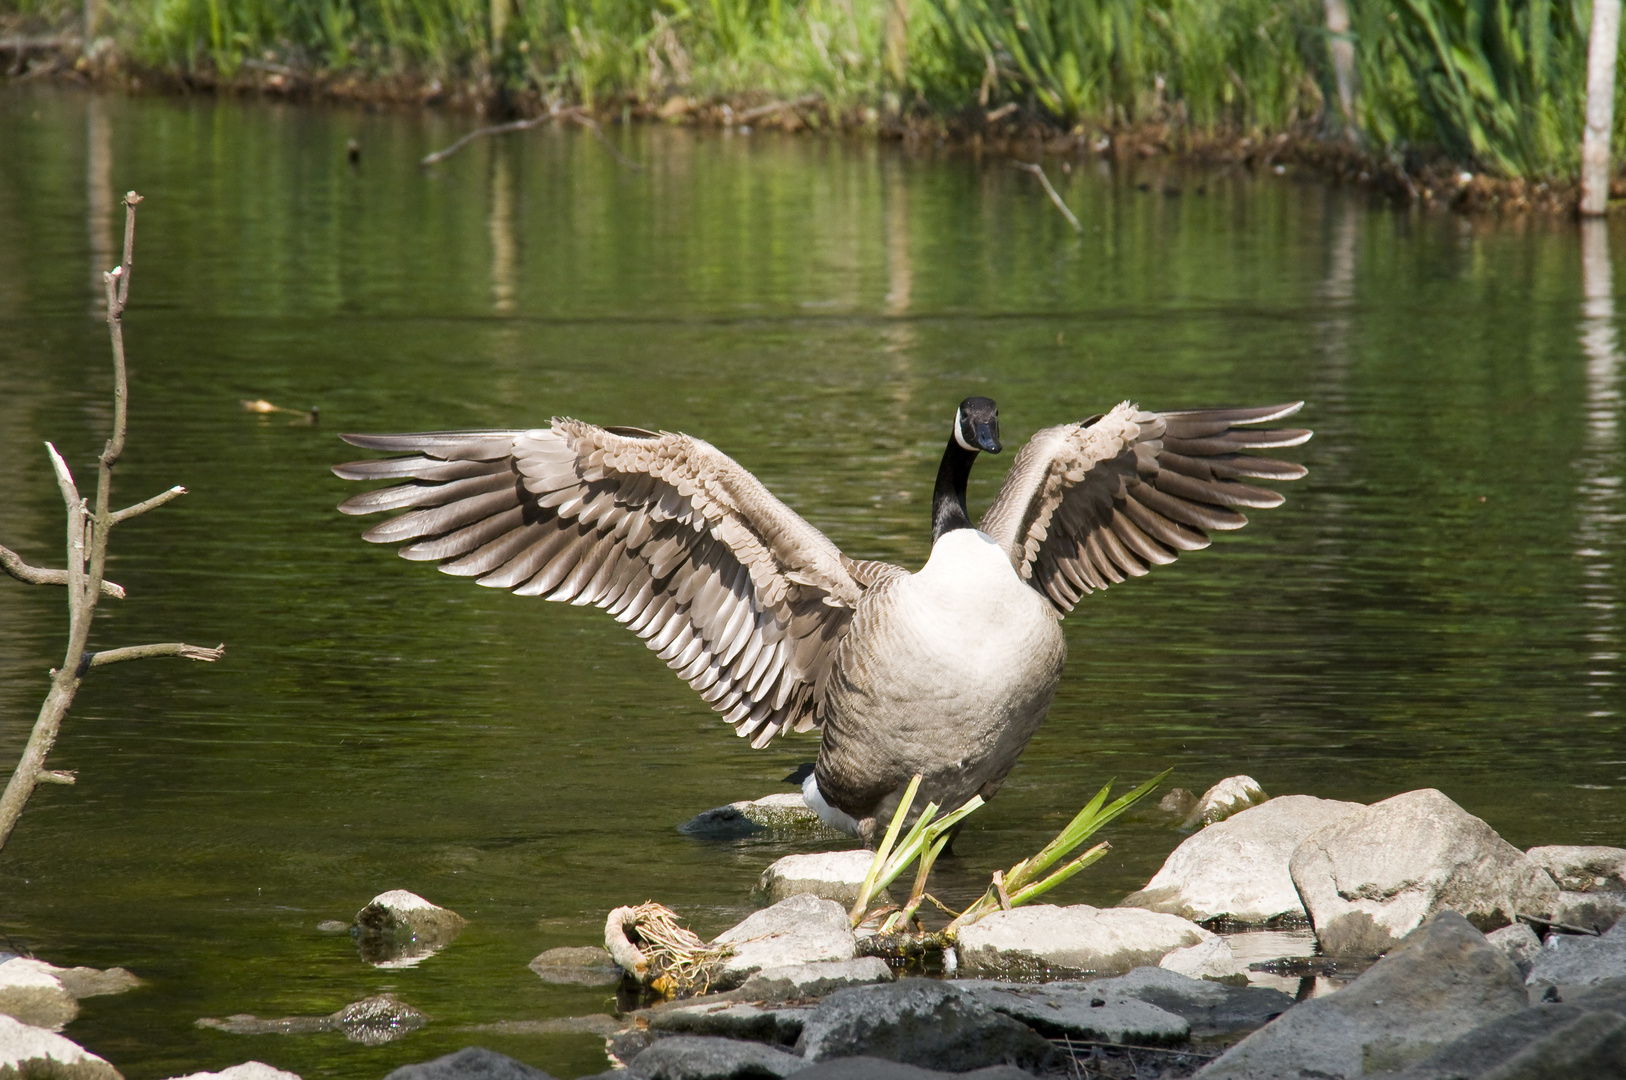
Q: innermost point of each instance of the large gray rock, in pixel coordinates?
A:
(1210, 1008)
(28, 1051)
(398, 929)
(802, 929)
(1372, 877)
(469, 1063)
(1547, 1042)
(248, 1070)
(1230, 796)
(815, 980)
(697, 1057)
(1440, 982)
(728, 1019)
(870, 1068)
(1041, 941)
(921, 1022)
(834, 875)
(576, 965)
(1593, 880)
(84, 982)
(777, 815)
(1079, 1011)
(32, 993)
(1519, 944)
(1236, 869)
(1578, 960)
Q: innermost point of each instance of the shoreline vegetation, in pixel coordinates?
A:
(1473, 104)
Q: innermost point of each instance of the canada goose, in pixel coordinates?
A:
(946, 672)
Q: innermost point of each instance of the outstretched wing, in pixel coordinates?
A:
(736, 592)
(1086, 505)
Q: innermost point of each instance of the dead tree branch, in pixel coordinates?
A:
(1038, 170)
(88, 529)
(574, 113)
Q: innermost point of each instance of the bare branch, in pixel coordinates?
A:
(130, 200)
(64, 478)
(1038, 171)
(146, 652)
(13, 564)
(150, 504)
(58, 776)
(575, 113)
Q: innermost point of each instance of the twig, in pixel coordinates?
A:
(1036, 170)
(778, 106)
(148, 504)
(554, 113)
(144, 652)
(13, 564)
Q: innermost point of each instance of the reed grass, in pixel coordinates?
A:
(1496, 84)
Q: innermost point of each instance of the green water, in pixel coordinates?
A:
(1436, 605)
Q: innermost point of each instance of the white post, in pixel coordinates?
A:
(1600, 106)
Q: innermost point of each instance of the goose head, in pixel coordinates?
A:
(975, 430)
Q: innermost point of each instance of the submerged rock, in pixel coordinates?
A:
(699, 1057)
(1372, 877)
(782, 814)
(1440, 982)
(248, 1070)
(799, 930)
(29, 1051)
(1230, 796)
(401, 928)
(31, 993)
(1237, 869)
(834, 875)
(371, 1021)
(1041, 941)
(576, 965)
(922, 1022)
(469, 1063)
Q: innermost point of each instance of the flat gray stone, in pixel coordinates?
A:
(1237, 868)
(1230, 796)
(1211, 959)
(1210, 1008)
(1578, 868)
(1371, 878)
(697, 1057)
(783, 814)
(802, 929)
(469, 1063)
(576, 965)
(84, 982)
(31, 992)
(872, 1068)
(1440, 982)
(1580, 960)
(1057, 1009)
(923, 1022)
(1041, 941)
(834, 875)
(816, 980)
(1597, 911)
(28, 1051)
(1518, 943)
(729, 1020)
(371, 1021)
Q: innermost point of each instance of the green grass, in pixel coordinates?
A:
(1496, 84)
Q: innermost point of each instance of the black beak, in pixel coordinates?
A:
(986, 435)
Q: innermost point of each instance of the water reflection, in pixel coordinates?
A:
(1599, 503)
(501, 226)
(99, 199)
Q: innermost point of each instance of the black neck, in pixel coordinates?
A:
(948, 499)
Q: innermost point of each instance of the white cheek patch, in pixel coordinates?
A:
(959, 435)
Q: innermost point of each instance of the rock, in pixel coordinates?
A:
(697, 1057)
(1080, 1011)
(1593, 1045)
(1210, 959)
(1210, 1008)
(1595, 911)
(801, 929)
(29, 992)
(781, 815)
(1440, 982)
(1178, 803)
(248, 1070)
(1518, 943)
(84, 982)
(1043, 941)
(870, 1068)
(1583, 869)
(1578, 960)
(1236, 869)
(371, 1021)
(834, 875)
(576, 965)
(399, 929)
(921, 1022)
(470, 1063)
(1371, 878)
(728, 1019)
(1270, 956)
(28, 1051)
(333, 926)
(1230, 796)
(815, 980)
